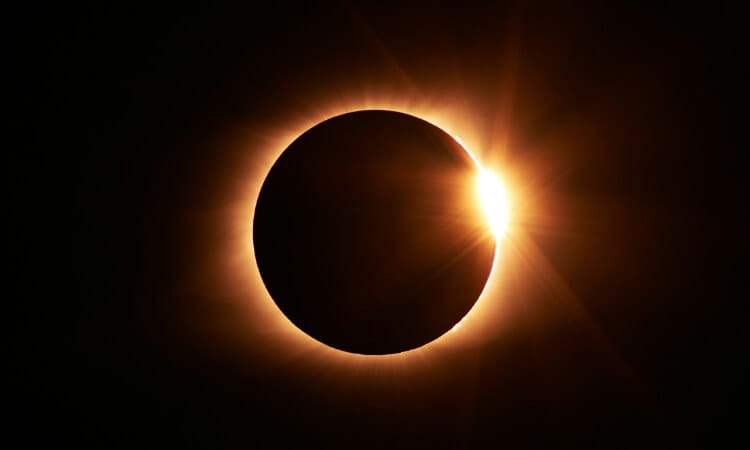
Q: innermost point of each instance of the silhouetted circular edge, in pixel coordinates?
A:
(489, 270)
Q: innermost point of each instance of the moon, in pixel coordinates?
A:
(369, 233)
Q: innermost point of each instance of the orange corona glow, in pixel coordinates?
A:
(265, 143)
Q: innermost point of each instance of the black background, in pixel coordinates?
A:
(629, 115)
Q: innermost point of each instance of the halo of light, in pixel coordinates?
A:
(279, 334)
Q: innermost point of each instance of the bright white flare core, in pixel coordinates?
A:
(494, 201)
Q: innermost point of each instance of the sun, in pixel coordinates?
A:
(494, 201)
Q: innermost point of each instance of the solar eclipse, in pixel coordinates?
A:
(375, 231)
(234, 283)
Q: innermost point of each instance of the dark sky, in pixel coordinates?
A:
(618, 122)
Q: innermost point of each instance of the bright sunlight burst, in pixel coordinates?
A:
(494, 200)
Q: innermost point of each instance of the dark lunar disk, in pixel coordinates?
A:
(368, 233)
